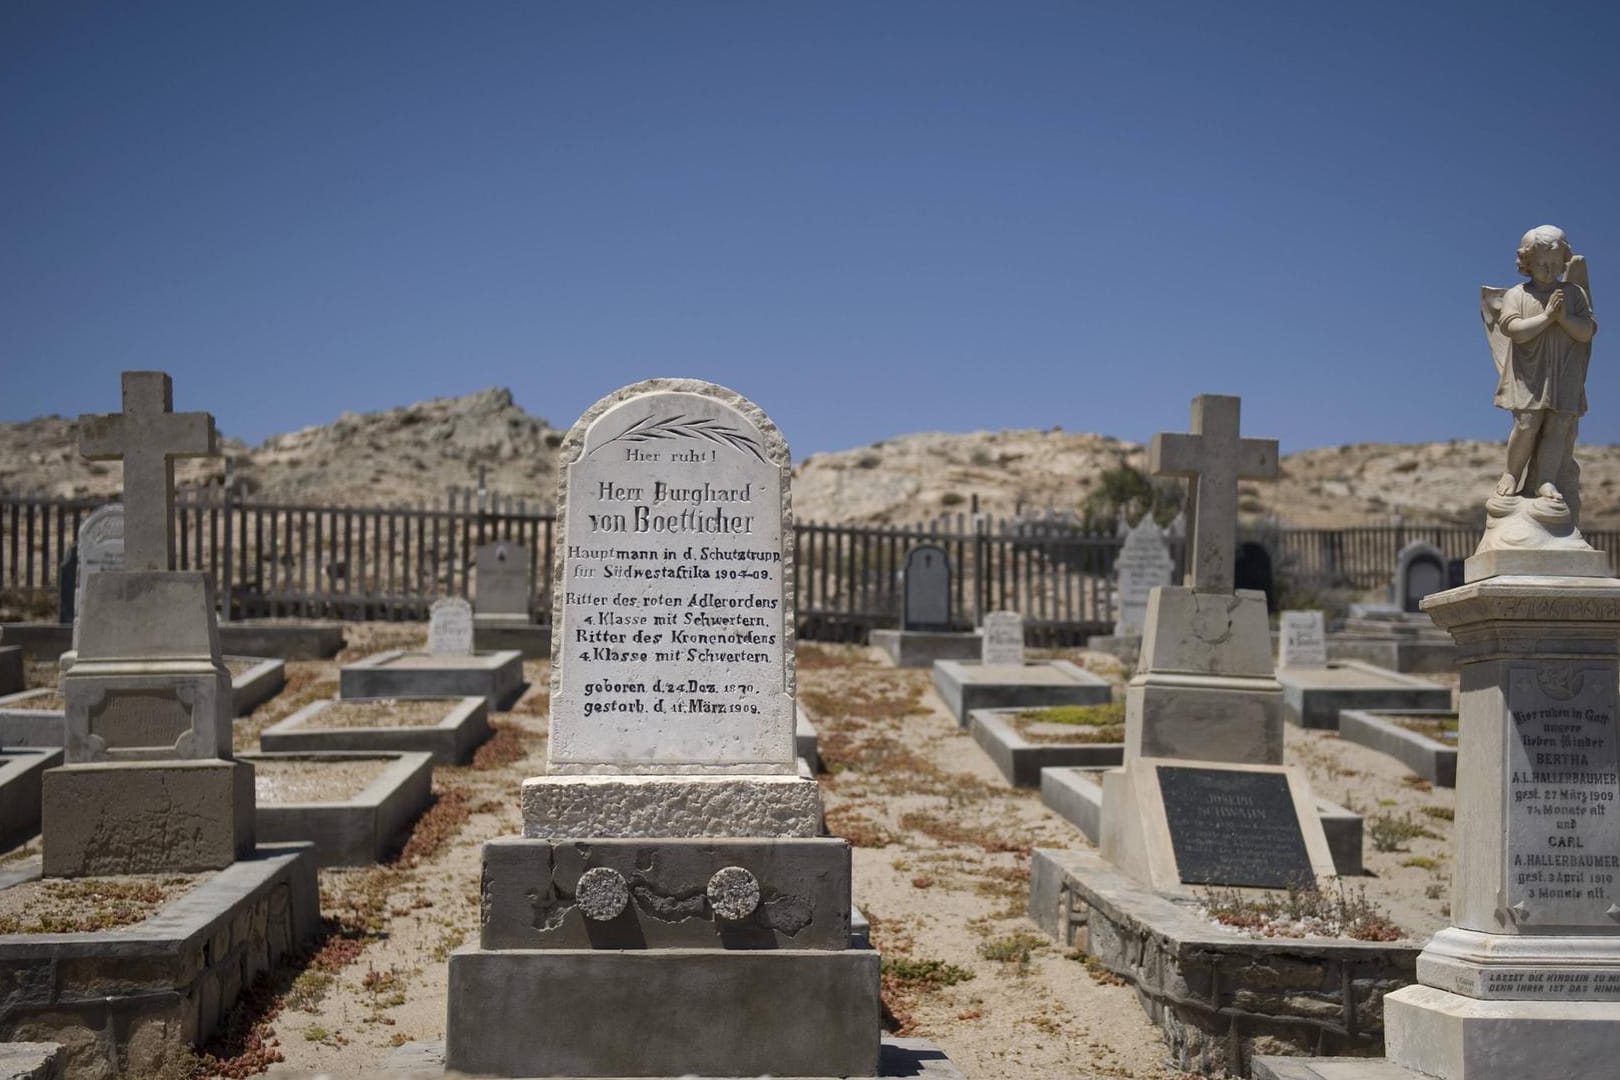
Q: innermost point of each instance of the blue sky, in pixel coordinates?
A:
(871, 218)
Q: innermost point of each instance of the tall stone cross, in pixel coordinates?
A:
(148, 435)
(1214, 457)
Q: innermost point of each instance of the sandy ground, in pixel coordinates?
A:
(941, 867)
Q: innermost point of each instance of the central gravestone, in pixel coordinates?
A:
(1143, 565)
(927, 589)
(1303, 640)
(1234, 827)
(1003, 639)
(670, 875)
(450, 627)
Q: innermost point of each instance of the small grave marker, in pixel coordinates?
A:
(1003, 638)
(450, 627)
(504, 583)
(1144, 564)
(1303, 642)
(927, 582)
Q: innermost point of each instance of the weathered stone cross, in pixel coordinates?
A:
(1215, 458)
(148, 435)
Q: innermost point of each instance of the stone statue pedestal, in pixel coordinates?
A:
(1526, 983)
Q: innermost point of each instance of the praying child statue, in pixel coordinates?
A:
(1540, 333)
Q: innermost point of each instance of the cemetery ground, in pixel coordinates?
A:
(941, 864)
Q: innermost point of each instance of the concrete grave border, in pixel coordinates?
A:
(1216, 992)
(450, 742)
(962, 696)
(22, 773)
(499, 680)
(1318, 707)
(1022, 761)
(31, 727)
(258, 684)
(352, 832)
(249, 637)
(1435, 761)
(167, 981)
(920, 648)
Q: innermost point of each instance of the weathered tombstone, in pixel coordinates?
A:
(100, 548)
(927, 589)
(147, 692)
(1143, 565)
(1003, 638)
(1205, 692)
(1420, 569)
(671, 779)
(505, 586)
(1303, 641)
(450, 627)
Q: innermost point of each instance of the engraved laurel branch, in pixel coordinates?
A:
(679, 427)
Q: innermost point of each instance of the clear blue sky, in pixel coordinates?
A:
(872, 218)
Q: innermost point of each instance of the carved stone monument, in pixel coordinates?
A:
(1526, 981)
(670, 875)
(148, 700)
(1203, 714)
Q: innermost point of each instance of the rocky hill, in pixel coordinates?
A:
(413, 455)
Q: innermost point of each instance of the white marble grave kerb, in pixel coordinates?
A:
(674, 588)
(450, 627)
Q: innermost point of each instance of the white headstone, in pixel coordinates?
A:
(1303, 642)
(100, 547)
(1144, 563)
(1003, 638)
(674, 651)
(450, 627)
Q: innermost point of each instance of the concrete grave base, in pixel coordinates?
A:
(1076, 795)
(918, 1059)
(12, 680)
(1314, 697)
(120, 1001)
(530, 894)
(32, 1061)
(568, 1012)
(450, 742)
(258, 684)
(194, 696)
(1205, 717)
(920, 648)
(1435, 761)
(1216, 993)
(1407, 642)
(282, 640)
(1441, 1034)
(496, 677)
(149, 817)
(492, 633)
(661, 805)
(1021, 761)
(356, 831)
(20, 726)
(1038, 684)
(22, 773)
(1338, 1068)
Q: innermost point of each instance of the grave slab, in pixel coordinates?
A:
(496, 677)
(354, 807)
(257, 685)
(920, 648)
(1217, 993)
(1431, 759)
(120, 1000)
(24, 723)
(21, 777)
(1075, 794)
(1020, 761)
(967, 686)
(1314, 697)
(786, 1012)
(322, 726)
(495, 634)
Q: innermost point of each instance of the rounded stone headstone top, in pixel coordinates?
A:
(774, 444)
(602, 893)
(733, 893)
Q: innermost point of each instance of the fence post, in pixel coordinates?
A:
(225, 570)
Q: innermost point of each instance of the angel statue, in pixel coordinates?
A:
(1541, 337)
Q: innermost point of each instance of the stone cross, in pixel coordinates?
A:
(1214, 457)
(148, 435)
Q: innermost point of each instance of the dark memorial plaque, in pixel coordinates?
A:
(1234, 827)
